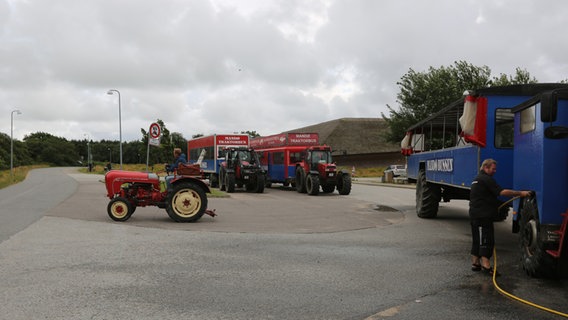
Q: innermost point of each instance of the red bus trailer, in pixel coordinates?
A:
(214, 155)
(297, 159)
(280, 153)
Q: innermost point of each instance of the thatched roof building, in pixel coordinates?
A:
(357, 141)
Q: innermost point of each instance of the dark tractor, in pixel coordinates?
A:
(242, 168)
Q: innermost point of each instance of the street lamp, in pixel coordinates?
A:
(12, 142)
(112, 91)
(88, 153)
(109, 156)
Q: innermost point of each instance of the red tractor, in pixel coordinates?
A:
(241, 167)
(316, 169)
(183, 197)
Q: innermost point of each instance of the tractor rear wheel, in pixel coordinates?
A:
(300, 180)
(186, 203)
(534, 258)
(312, 184)
(344, 183)
(119, 209)
(427, 197)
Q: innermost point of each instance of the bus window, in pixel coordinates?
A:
(295, 157)
(278, 158)
(504, 132)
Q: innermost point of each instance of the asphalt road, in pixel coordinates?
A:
(277, 255)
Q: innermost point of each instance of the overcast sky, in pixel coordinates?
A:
(221, 66)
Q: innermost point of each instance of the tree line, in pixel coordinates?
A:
(45, 148)
(422, 94)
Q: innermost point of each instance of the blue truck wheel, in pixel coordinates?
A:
(536, 262)
(427, 197)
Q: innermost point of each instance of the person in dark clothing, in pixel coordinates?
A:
(483, 207)
(179, 157)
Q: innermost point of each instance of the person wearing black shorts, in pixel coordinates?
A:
(483, 207)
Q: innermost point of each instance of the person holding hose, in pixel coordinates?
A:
(483, 207)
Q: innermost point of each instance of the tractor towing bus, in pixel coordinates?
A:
(297, 159)
(241, 167)
(525, 129)
(213, 146)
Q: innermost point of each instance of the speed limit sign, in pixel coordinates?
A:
(155, 130)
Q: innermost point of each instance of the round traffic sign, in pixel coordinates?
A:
(155, 130)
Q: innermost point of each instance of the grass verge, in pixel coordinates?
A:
(20, 173)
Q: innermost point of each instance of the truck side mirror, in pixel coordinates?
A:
(548, 107)
(556, 132)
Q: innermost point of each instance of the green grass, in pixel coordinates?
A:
(365, 172)
(100, 168)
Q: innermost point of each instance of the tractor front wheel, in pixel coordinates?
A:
(300, 180)
(222, 182)
(260, 183)
(119, 209)
(230, 182)
(344, 183)
(312, 185)
(214, 180)
(186, 203)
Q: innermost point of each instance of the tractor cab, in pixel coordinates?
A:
(319, 159)
(241, 167)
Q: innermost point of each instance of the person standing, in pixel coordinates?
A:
(483, 208)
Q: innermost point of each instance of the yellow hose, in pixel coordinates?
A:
(511, 296)
(515, 297)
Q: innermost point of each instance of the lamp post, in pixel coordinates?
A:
(12, 142)
(89, 167)
(112, 91)
(109, 156)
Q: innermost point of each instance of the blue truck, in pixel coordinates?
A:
(525, 129)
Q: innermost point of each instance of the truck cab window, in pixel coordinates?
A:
(504, 132)
(528, 119)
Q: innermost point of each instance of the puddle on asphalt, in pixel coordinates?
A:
(382, 208)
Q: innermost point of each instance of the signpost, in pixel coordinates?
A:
(153, 140)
